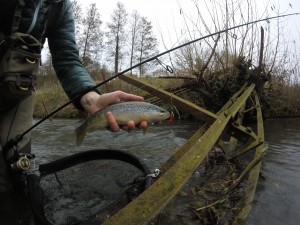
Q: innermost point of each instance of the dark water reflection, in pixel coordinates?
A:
(277, 200)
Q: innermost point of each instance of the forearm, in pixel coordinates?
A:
(73, 77)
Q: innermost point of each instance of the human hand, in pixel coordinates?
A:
(93, 102)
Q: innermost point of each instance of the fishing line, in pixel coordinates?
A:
(170, 70)
(167, 67)
(19, 137)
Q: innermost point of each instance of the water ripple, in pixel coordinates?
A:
(277, 200)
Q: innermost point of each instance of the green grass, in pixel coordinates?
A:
(49, 99)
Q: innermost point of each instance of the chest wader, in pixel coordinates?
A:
(19, 65)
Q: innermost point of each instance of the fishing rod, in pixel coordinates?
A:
(19, 137)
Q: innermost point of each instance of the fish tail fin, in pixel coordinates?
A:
(80, 133)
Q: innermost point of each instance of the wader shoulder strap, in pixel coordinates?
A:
(18, 16)
(33, 22)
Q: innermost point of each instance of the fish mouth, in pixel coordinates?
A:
(158, 118)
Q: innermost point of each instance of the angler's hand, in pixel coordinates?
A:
(93, 102)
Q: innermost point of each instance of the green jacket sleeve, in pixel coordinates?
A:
(73, 77)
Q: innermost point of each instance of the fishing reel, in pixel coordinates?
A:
(22, 162)
(18, 161)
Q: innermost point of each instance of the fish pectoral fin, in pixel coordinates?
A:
(145, 130)
(80, 133)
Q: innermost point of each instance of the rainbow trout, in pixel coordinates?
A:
(123, 112)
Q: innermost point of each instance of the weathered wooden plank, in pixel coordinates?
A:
(146, 206)
(184, 105)
(254, 173)
(180, 152)
(184, 149)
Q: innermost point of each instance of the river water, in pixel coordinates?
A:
(277, 200)
(54, 139)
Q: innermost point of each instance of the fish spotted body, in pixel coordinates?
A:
(123, 112)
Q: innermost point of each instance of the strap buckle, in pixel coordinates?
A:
(25, 82)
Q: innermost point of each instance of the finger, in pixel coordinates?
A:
(112, 122)
(129, 97)
(130, 125)
(143, 125)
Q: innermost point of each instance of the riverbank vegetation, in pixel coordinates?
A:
(207, 72)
